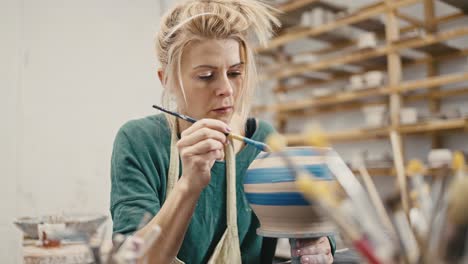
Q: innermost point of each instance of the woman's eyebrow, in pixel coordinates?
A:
(237, 64)
(214, 67)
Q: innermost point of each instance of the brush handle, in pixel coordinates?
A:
(257, 144)
(366, 250)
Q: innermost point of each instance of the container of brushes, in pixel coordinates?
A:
(270, 189)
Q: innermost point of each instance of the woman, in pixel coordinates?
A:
(208, 72)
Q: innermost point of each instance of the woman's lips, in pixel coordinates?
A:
(223, 110)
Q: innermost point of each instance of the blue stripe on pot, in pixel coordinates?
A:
(291, 153)
(282, 174)
(274, 199)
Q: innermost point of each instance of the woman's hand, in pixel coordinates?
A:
(200, 146)
(314, 251)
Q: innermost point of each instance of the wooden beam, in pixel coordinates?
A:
(432, 68)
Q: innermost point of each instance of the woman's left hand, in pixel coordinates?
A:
(314, 251)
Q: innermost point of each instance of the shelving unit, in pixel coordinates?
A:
(432, 47)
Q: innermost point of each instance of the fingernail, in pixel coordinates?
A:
(298, 252)
(228, 129)
(306, 260)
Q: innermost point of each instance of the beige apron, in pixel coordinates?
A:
(228, 249)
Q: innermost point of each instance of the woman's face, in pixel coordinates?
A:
(212, 75)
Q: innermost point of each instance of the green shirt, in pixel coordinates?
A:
(139, 166)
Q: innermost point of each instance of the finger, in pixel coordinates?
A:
(313, 250)
(201, 134)
(201, 148)
(315, 259)
(210, 123)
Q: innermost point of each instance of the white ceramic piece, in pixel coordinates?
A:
(374, 78)
(408, 115)
(374, 115)
(367, 41)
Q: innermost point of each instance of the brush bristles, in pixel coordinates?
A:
(315, 190)
(415, 167)
(316, 137)
(457, 205)
(458, 162)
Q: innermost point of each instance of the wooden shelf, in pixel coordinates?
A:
(310, 84)
(377, 133)
(350, 96)
(352, 19)
(360, 56)
(352, 106)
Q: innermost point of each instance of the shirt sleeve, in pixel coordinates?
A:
(132, 195)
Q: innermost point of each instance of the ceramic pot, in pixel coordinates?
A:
(374, 78)
(374, 115)
(270, 189)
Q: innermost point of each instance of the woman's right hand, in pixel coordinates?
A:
(200, 146)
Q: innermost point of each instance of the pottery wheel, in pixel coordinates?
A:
(276, 234)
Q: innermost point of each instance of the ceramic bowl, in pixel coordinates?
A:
(270, 189)
(374, 78)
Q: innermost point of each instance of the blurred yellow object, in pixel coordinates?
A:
(276, 142)
(315, 136)
(458, 162)
(315, 190)
(415, 167)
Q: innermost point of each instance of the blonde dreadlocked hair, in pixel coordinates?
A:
(214, 19)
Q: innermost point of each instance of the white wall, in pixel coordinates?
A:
(72, 73)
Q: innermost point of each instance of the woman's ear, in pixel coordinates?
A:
(161, 76)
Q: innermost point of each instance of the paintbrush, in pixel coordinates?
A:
(257, 144)
(374, 196)
(455, 235)
(369, 221)
(415, 169)
(318, 192)
(406, 236)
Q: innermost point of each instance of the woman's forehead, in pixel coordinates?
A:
(212, 52)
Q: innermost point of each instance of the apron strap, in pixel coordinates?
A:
(228, 248)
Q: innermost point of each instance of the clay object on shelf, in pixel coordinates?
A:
(374, 79)
(356, 82)
(375, 115)
(408, 115)
(367, 41)
(270, 189)
(439, 157)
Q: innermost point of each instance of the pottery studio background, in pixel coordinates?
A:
(73, 72)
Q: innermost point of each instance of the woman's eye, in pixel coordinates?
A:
(234, 74)
(206, 76)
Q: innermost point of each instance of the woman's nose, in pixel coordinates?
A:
(224, 87)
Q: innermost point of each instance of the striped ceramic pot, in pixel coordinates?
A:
(271, 192)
